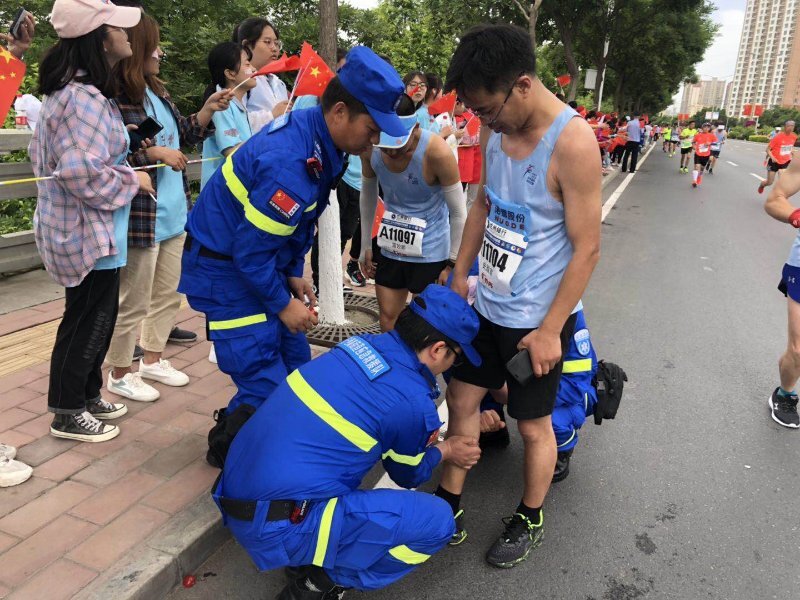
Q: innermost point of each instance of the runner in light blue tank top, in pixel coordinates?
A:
(526, 249)
(408, 194)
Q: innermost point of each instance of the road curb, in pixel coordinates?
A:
(156, 567)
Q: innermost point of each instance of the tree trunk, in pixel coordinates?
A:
(532, 19)
(618, 98)
(572, 65)
(331, 306)
(328, 17)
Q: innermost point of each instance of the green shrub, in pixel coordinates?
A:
(758, 138)
(16, 215)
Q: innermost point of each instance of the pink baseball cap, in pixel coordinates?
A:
(74, 18)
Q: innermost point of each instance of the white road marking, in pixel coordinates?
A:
(731, 163)
(618, 192)
(759, 177)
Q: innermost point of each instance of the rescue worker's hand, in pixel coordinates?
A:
(491, 421)
(145, 183)
(442, 279)
(169, 156)
(301, 288)
(461, 450)
(280, 108)
(544, 346)
(460, 285)
(297, 317)
(368, 266)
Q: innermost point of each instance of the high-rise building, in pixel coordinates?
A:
(768, 64)
(707, 93)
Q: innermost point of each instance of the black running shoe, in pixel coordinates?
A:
(516, 542)
(100, 409)
(82, 427)
(562, 466)
(784, 409)
(354, 273)
(181, 336)
(461, 534)
(298, 589)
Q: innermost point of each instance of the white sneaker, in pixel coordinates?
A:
(13, 472)
(7, 451)
(131, 386)
(212, 354)
(163, 372)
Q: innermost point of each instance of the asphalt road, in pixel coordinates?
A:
(693, 491)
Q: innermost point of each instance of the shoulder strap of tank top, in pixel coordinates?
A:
(551, 136)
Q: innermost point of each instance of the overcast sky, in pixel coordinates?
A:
(720, 58)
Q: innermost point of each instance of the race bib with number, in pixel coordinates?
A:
(715, 146)
(786, 150)
(504, 243)
(401, 234)
(702, 148)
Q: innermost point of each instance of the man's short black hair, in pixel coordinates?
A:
(336, 92)
(417, 332)
(490, 57)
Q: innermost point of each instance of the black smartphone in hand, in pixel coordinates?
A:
(16, 24)
(148, 128)
(520, 367)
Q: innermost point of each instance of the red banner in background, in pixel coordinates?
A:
(758, 110)
(747, 110)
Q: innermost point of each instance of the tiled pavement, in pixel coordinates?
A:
(89, 507)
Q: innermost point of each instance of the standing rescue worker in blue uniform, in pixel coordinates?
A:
(289, 490)
(254, 222)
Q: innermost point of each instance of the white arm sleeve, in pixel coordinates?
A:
(368, 204)
(457, 205)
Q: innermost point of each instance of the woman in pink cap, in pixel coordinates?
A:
(82, 212)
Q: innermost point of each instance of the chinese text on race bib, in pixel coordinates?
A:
(401, 234)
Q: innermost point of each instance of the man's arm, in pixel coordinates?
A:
(474, 227)
(777, 204)
(445, 168)
(580, 193)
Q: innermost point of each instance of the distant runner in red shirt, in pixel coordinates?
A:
(702, 152)
(779, 153)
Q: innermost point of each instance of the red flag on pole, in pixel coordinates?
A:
(12, 72)
(314, 77)
(747, 110)
(473, 126)
(758, 110)
(445, 104)
(282, 65)
(563, 80)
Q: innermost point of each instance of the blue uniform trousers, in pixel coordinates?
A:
(254, 348)
(364, 539)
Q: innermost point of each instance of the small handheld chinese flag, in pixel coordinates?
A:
(563, 80)
(314, 77)
(473, 126)
(11, 73)
(281, 65)
(445, 104)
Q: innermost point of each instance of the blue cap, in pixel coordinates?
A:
(394, 141)
(375, 83)
(449, 313)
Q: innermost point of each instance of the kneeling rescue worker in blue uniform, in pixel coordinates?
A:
(289, 489)
(254, 223)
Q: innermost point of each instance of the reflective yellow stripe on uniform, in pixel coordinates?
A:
(569, 440)
(310, 208)
(408, 556)
(324, 534)
(577, 366)
(251, 213)
(320, 407)
(234, 323)
(403, 459)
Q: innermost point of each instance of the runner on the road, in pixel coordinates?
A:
(702, 152)
(783, 401)
(779, 153)
(687, 136)
(716, 147)
(674, 139)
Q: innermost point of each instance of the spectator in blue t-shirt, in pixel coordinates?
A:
(633, 144)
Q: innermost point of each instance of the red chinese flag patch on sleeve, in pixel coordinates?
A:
(433, 438)
(284, 204)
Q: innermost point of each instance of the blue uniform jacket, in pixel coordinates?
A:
(331, 420)
(262, 205)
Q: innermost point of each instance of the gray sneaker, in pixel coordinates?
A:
(100, 409)
(516, 542)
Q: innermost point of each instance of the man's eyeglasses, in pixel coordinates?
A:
(484, 114)
(458, 354)
(274, 44)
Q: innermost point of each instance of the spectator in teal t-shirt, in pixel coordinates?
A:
(229, 65)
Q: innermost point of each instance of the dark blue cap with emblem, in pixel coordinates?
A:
(375, 83)
(449, 313)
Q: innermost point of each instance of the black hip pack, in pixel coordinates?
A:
(609, 382)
